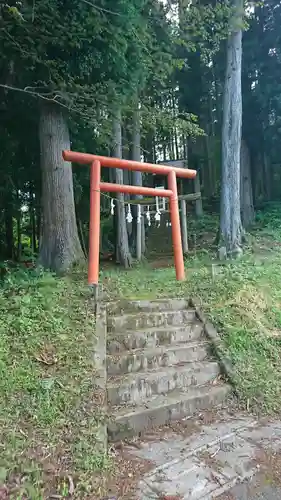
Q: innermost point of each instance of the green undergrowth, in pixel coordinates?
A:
(48, 420)
(48, 416)
(243, 300)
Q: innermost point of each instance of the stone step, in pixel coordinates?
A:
(145, 359)
(160, 410)
(142, 320)
(136, 388)
(154, 337)
(120, 307)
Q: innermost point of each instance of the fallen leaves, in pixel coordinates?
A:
(47, 356)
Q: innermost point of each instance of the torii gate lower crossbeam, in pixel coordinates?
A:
(96, 187)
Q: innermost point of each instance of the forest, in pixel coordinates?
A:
(144, 80)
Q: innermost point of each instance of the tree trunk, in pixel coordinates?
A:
(122, 253)
(82, 236)
(230, 216)
(198, 203)
(19, 246)
(138, 229)
(33, 231)
(149, 147)
(209, 186)
(38, 226)
(19, 217)
(33, 242)
(60, 247)
(10, 249)
(184, 232)
(247, 205)
(267, 176)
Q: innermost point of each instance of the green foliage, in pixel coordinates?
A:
(269, 218)
(161, 122)
(80, 54)
(262, 89)
(203, 27)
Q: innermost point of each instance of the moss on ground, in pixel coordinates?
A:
(48, 419)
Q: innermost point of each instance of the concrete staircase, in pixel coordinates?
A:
(159, 366)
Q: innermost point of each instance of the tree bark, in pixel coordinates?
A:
(122, 252)
(19, 247)
(33, 231)
(138, 229)
(198, 202)
(10, 249)
(209, 173)
(267, 177)
(184, 232)
(19, 217)
(33, 241)
(81, 235)
(38, 225)
(230, 216)
(60, 247)
(247, 205)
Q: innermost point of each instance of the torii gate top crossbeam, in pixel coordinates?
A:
(86, 159)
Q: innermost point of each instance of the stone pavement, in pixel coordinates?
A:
(222, 460)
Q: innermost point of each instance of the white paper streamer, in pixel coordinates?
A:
(112, 206)
(129, 217)
(158, 217)
(148, 217)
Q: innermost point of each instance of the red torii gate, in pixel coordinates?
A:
(96, 187)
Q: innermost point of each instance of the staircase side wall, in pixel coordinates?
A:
(100, 394)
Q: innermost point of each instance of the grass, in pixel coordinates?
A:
(243, 300)
(48, 419)
(48, 414)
